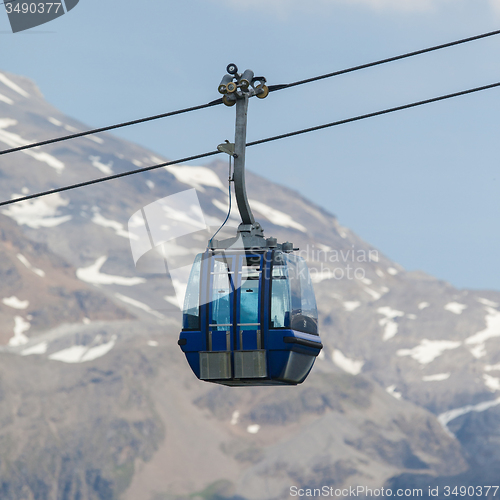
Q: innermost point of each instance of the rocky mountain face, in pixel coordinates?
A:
(98, 403)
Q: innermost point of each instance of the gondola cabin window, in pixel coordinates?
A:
(222, 285)
(304, 309)
(249, 294)
(280, 297)
(192, 298)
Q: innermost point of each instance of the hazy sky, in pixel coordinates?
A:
(422, 185)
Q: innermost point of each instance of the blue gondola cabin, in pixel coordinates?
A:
(250, 318)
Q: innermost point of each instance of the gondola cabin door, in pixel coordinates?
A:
(235, 344)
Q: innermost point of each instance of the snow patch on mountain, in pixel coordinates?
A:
(197, 177)
(40, 348)
(20, 326)
(373, 293)
(27, 264)
(234, 417)
(82, 353)
(392, 391)
(16, 88)
(351, 305)
(492, 383)
(448, 416)
(428, 350)
(38, 213)
(275, 216)
(390, 326)
(487, 302)
(15, 302)
(438, 377)
(98, 219)
(348, 365)
(69, 128)
(172, 299)
(103, 167)
(5, 99)
(342, 231)
(455, 307)
(319, 276)
(139, 305)
(92, 274)
(55, 121)
(492, 330)
(15, 140)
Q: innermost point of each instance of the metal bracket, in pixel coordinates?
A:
(227, 147)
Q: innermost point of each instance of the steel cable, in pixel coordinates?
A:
(253, 143)
(272, 88)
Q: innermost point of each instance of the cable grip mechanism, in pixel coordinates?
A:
(234, 85)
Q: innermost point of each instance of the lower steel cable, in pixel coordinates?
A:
(254, 143)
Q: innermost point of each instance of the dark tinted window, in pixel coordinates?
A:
(304, 310)
(280, 297)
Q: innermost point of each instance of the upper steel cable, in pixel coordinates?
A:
(375, 113)
(111, 127)
(272, 88)
(254, 143)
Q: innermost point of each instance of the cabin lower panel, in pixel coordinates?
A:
(290, 366)
(215, 365)
(250, 364)
(282, 363)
